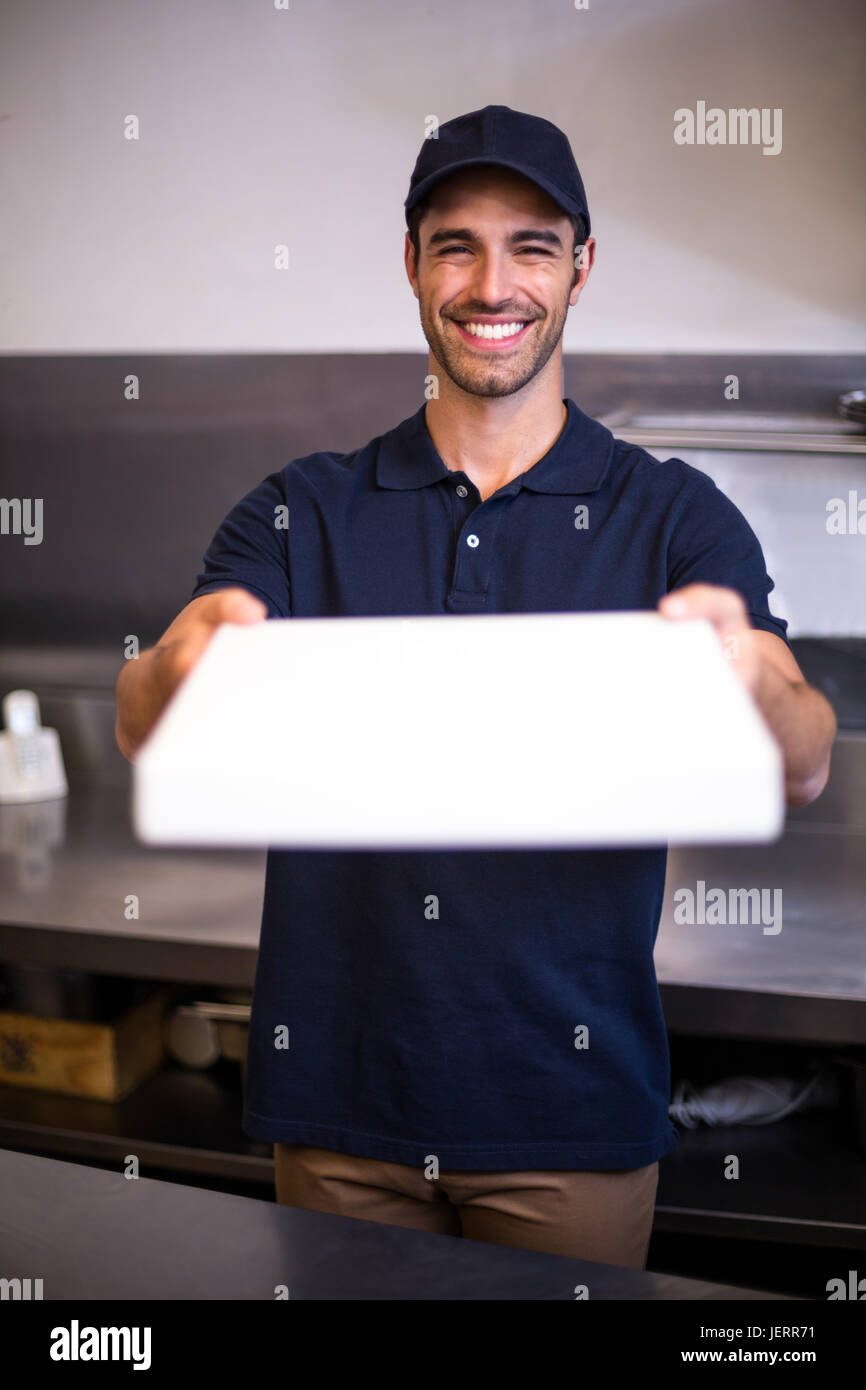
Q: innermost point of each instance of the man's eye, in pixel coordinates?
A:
(533, 250)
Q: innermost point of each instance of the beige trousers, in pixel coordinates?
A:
(601, 1216)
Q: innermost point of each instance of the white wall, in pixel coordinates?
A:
(261, 126)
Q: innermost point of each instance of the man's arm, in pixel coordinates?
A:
(146, 683)
(800, 717)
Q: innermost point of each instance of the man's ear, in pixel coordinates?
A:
(584, 258)
(409, 262)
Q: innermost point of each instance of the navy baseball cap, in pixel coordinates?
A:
(497, 135)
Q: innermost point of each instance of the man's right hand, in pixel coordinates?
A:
(146, 683)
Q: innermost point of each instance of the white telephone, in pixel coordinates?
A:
(31, 763)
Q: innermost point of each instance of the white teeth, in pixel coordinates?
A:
(493, 330)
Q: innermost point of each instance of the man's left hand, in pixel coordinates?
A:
(727, 612)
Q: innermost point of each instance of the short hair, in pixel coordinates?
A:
(413, 221)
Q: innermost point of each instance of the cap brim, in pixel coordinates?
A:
(568, 204)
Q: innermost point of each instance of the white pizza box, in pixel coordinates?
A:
(460, 731)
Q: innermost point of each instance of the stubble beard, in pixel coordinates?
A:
(501, 376)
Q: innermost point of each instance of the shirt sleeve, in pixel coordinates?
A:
(713, 543)
(250, 549)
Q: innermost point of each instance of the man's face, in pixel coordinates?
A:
(494, 250)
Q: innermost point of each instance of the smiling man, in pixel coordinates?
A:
(495, 1067)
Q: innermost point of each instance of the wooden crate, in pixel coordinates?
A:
(102, 1061)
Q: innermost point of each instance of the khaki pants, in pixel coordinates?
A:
(601, 1216)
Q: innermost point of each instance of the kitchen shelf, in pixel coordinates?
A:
(741, 439)
(802, 1180)
(178, 1120)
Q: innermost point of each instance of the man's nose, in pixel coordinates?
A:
(492, 281)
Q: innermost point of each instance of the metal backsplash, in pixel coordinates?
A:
(133, 490)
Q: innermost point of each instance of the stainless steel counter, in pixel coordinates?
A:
(64, 886)
(802, 975)
(66, 871)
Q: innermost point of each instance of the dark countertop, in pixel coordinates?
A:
(93, 1234)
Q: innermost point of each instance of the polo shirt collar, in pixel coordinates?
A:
(575, 463)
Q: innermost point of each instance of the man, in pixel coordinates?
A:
(432, 1077)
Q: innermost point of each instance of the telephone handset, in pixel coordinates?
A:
(31, 763)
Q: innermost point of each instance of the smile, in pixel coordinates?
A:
(492, 336)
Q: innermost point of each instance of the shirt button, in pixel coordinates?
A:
(472, 540)
(462, 491)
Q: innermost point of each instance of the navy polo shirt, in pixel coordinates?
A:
(498, 1009)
